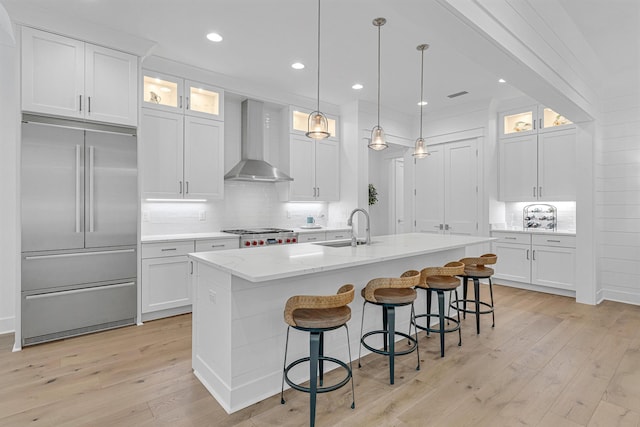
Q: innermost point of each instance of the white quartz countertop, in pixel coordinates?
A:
(535, 231)
(315, 230)
(277, 262)
(187, 236)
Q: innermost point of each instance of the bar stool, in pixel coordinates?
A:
(317, 315)
(390, 293)
(475, 268)
(440, 280)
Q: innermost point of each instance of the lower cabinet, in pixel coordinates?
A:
(319, 236)
(543, 259)
(165, 282)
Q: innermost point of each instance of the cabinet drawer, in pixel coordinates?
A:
(155, 250)
(338, 235)
(311, 237)
(217, 244)
(506, 237)
(561, 241)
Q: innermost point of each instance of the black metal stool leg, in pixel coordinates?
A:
(385, 322)
(413, 319)
(284, 366)
(391, 318)
(361, 330)
(320, 360)
(441, 317)
(476, 292)
(458, 311)
(353, 392)
(314, 352)
(464, 296)
(493, 315)
(428, 310)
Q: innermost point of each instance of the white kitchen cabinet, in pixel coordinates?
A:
(182, 156)
(165, 281)
(538, 167)
(70, 78)
(314, 167)
(316, 236)
(446, 191)
(546, 260)
(532, 119)
(174, 94)
(299, 123)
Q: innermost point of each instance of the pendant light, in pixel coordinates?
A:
(318, 127)
(420, 151)
(378, 141)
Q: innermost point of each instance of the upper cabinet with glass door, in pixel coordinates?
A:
(530, 120)
(299, 122)
(170, 93)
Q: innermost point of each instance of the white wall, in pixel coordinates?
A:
(9, 126)
(618, 200)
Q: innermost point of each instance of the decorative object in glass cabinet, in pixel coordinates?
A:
(552, 119)
(158, 91)
(521, 122)
(540, 216)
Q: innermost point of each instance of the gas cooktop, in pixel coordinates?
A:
(243, 231)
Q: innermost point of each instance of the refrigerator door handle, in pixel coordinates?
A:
(91, 182)
(78, 207)
(79, 291)
(78, 254)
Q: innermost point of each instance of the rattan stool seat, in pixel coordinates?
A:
(394, 295)
(445, 283)
(321, 318)
(479, 271)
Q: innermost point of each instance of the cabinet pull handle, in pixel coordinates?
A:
(168, 249)
(217, 246)
(88, 104)
(180, 101)
(339, 236)
(539, 191)
(554, 241)
(527, 253)
(191, 262)
(534, 191)
(80, 102)
(188, 103)
(510, 238)
(446, 227)
(540, 126)
(533, 255)
(318, 191)
(180, 191)
(186, 191)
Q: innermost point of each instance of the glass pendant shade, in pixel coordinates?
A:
(420, 151)
(378, 140)
(318, 126)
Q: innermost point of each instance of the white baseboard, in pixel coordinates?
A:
(619, 296)
(537, 288)
(7, 325)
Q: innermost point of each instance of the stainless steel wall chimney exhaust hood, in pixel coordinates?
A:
(252, 167)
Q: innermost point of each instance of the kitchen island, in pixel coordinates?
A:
(239, 297)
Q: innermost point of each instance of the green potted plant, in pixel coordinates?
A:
(373, 195)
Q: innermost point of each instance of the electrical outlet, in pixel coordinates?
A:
(212, 296)
(203, 215)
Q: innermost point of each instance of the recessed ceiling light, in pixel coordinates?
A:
(297, 65)
(502, 81)
(214, 37)
(357, 86)
(422, 103)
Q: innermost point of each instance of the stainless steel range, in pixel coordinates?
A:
(254, 237)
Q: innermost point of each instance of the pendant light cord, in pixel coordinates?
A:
(318, 109)
(379, 75)
(421, 91)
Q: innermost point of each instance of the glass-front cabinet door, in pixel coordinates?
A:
(162, 92)
(204, 101)
(518, 122)
(549, 119)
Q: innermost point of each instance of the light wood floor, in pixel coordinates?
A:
(548, 362)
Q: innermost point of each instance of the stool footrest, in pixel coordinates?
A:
(318, 389)
(413, 343)
(437, 316)
(473, 303)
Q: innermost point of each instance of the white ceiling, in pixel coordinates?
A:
(262, 38)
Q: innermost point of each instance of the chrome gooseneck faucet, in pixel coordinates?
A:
(368, 229)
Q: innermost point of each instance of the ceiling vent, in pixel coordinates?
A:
(455, 95)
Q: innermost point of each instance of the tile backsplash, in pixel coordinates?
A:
(566, 212)
(245, 204)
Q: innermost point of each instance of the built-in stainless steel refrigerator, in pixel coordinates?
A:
(79, 228)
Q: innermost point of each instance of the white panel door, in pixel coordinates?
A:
(461, 187)
(111, 86)
(203, 158)
(553, 266)
(161, 142)
(398, 169)
(302, 169)
(518, 168)
(327, 167)
(557, 165)
(52, 74)
(513, 262)
(429, 191)
(165, 283)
